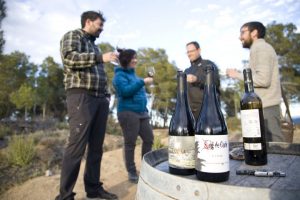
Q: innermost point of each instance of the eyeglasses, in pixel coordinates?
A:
(191, 51)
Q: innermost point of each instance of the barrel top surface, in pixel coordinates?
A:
(281, 157)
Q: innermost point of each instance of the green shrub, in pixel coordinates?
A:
(62, 125)
(157, 144)
(21, 150)
(5, 131)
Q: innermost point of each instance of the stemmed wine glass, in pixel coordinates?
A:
(150, 71)
(118, 46)
(116, 62)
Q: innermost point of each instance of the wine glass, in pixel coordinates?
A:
(118, 46)
(116, 62)
(150, 71)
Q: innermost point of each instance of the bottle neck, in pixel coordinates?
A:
(181, 88)
(248, 81)
(182, 122)
(210, 85)
(210, 98)
(211, 120)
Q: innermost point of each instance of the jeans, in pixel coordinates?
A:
(134, 124)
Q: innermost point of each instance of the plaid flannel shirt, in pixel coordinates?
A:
(81, 69)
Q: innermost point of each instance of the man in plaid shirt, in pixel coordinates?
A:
(88, 105)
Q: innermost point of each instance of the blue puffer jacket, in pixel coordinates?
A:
(130, 91)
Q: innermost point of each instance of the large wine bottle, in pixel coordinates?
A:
(181, 133)
(211, 137)
(253, 128)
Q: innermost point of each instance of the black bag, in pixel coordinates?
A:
(287, 125)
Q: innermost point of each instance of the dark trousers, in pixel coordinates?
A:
(272, 124)
(87, 119)
(134, 124)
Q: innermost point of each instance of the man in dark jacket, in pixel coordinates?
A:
(196, 77)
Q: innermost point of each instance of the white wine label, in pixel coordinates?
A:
(182, 152)
(212, 153)
(250, 123)
(253, 146)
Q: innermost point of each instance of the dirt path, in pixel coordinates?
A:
(113, 175)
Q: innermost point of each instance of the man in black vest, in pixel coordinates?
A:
(196, 77)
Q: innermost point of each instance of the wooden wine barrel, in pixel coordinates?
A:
(156, 183)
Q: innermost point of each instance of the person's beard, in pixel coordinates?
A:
(247, 43)
(97, 33)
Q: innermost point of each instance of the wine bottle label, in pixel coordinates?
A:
(212, 153)
(250, 123)
(182, 152)
(253, 146)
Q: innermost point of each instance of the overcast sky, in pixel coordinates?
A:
(35, 27)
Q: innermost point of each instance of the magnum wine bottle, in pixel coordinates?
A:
(253, 128)
(181, 133)
(211, 137)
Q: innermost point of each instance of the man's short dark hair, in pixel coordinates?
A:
(92, 15)
(196, 44)
(261, 29)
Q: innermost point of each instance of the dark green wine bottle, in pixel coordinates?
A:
(182, 133)
(211, 136)
(253, 128)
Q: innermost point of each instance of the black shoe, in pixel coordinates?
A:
(68, 198)
(133, 177)
(102, 195)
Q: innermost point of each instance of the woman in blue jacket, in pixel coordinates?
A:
(132, 111)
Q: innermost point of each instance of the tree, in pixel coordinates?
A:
(14, 69)
(164, 89)
(23, 98)
(2, 16)
(50, 89)
(286, 42)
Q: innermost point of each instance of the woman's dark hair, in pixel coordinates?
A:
(92, 15)
(125, 56)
